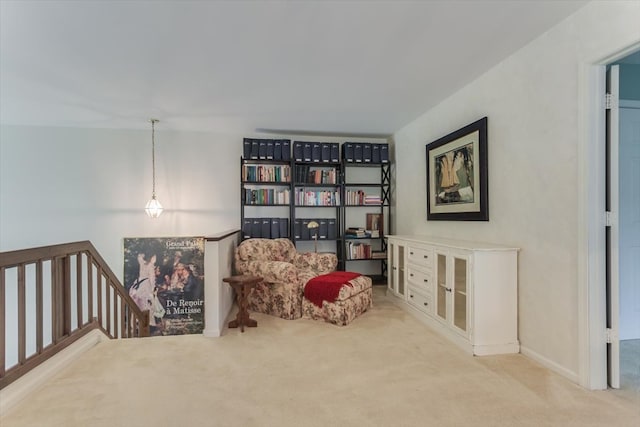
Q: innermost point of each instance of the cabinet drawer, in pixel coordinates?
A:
(420, 301)
(419, 278)
(421, 257)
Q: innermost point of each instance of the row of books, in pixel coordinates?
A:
(364, 152)
(267, 149)
(266, 228)
(266, 196)
(326, 230)
(266, 173)
(315, 152)
(361, 233)
(359, 197)
(311, 175)
(358, 250)
(305, 197)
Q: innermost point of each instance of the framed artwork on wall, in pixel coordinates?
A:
(457, 175)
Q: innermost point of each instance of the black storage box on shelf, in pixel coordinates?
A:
(266, 149)
(365, 152)
(347, 152)
(266, 228)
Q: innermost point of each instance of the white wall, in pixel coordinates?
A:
(61, 185)
(532, 100)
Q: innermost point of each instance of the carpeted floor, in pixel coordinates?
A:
(385, 369)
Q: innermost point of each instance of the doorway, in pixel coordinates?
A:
(623, 224)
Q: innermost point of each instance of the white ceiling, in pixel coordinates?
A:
(347, 67)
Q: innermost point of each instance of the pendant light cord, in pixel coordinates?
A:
(153, 156)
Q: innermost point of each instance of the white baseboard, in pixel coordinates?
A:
(211, 332)
(12, 394)
(549, 364)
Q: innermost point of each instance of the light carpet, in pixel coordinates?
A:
(384, 369)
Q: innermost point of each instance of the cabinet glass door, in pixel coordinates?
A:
(441, 288)
(391, 260)
(396, 261)
(400, 270)
(460, 293)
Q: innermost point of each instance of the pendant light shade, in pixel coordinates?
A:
(153, 207)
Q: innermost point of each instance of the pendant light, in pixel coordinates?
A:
(153, 207)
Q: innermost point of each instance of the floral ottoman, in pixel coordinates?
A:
(337, 297)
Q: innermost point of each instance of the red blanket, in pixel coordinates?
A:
(327, 286)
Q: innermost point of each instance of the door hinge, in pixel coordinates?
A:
(608, 101)
(608, 219)
(609, 335)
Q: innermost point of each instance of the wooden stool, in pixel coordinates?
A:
(242, 284)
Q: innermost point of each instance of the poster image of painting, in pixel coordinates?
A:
(166, 277)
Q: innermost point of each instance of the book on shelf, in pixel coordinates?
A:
(378, 255)
(355, 232)
(358, 250)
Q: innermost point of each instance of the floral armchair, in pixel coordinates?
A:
(285, 273)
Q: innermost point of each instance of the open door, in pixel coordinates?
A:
(613, 230)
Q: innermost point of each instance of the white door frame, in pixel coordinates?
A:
(592, 354)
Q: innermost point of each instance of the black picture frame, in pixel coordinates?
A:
(457, 175)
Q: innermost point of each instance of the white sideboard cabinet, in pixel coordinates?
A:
(467, 291)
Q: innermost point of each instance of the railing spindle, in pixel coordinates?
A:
(39, 307)
(89, 288)
(67, 295)
(107, 308)
(79, 289)
(57, 299)
(99, 290)
(22, 316)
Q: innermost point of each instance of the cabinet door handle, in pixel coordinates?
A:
(426, 256)
(411, 274)
(426, 280)
(448, 289)
(410, 253)
(426, 304)
(410, 296)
